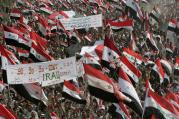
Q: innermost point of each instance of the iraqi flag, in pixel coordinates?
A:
(130, 69)
(71, 92)
(5, 113)
(134, 9)
(155, 14)
(16, 38)
(117, 112)
(32, 92)
(22, 19)
(127, 88)
(172, 25)
(151, 41)
(133, 56)
(40, 41)
(159, 107)
(99, 84)
(110, 53)
(166, 66)
(89, 59)
(23, 53)
(39, 55)
(95, 51)
(7, 57)
(176, 67)
(44, 28)
(159, 70)
(116, 26)
(15, 14)
(54, 115)
(173, 99)
(46, 9)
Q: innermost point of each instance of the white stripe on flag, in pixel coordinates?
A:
(11, 35)
(127, 88)
(71, 92)
(98, 83)
(150, 102)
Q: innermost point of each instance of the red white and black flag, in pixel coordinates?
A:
(44, 27)
(116, 26)
(15, 14)
(151, 42)
(176, 67)
(39, 55)
(155, 14)
(128, 89)
(133, 56)
(131, 70)
(23, 53)
(40, 41)
(172, 25)
(71, 92)
(173, 99)
(134, 9)
(118, 112)
(46, 9)
(159, 70)
(101, 86)
(16, 38)
(7, 57)
(159, 107)
(110, 53)
(89, 59)
(32, 92)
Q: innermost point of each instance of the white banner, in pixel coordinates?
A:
(46, 73)
(80, 68)
(82, 22)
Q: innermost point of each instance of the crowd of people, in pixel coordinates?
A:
(61, 46)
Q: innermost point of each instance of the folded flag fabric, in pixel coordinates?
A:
(5, 113)
(128, 89)
(71, 92)
(128, 24)
(54, 115)
(102, 87)
(176, 67)
(172, 25)
(133, 56)
(110, 54)
(16, 38)
(159, 107)
(159, 70)
(131, 70)
(88, 59)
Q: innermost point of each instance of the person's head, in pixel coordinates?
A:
(42, 116)
(33, 115)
